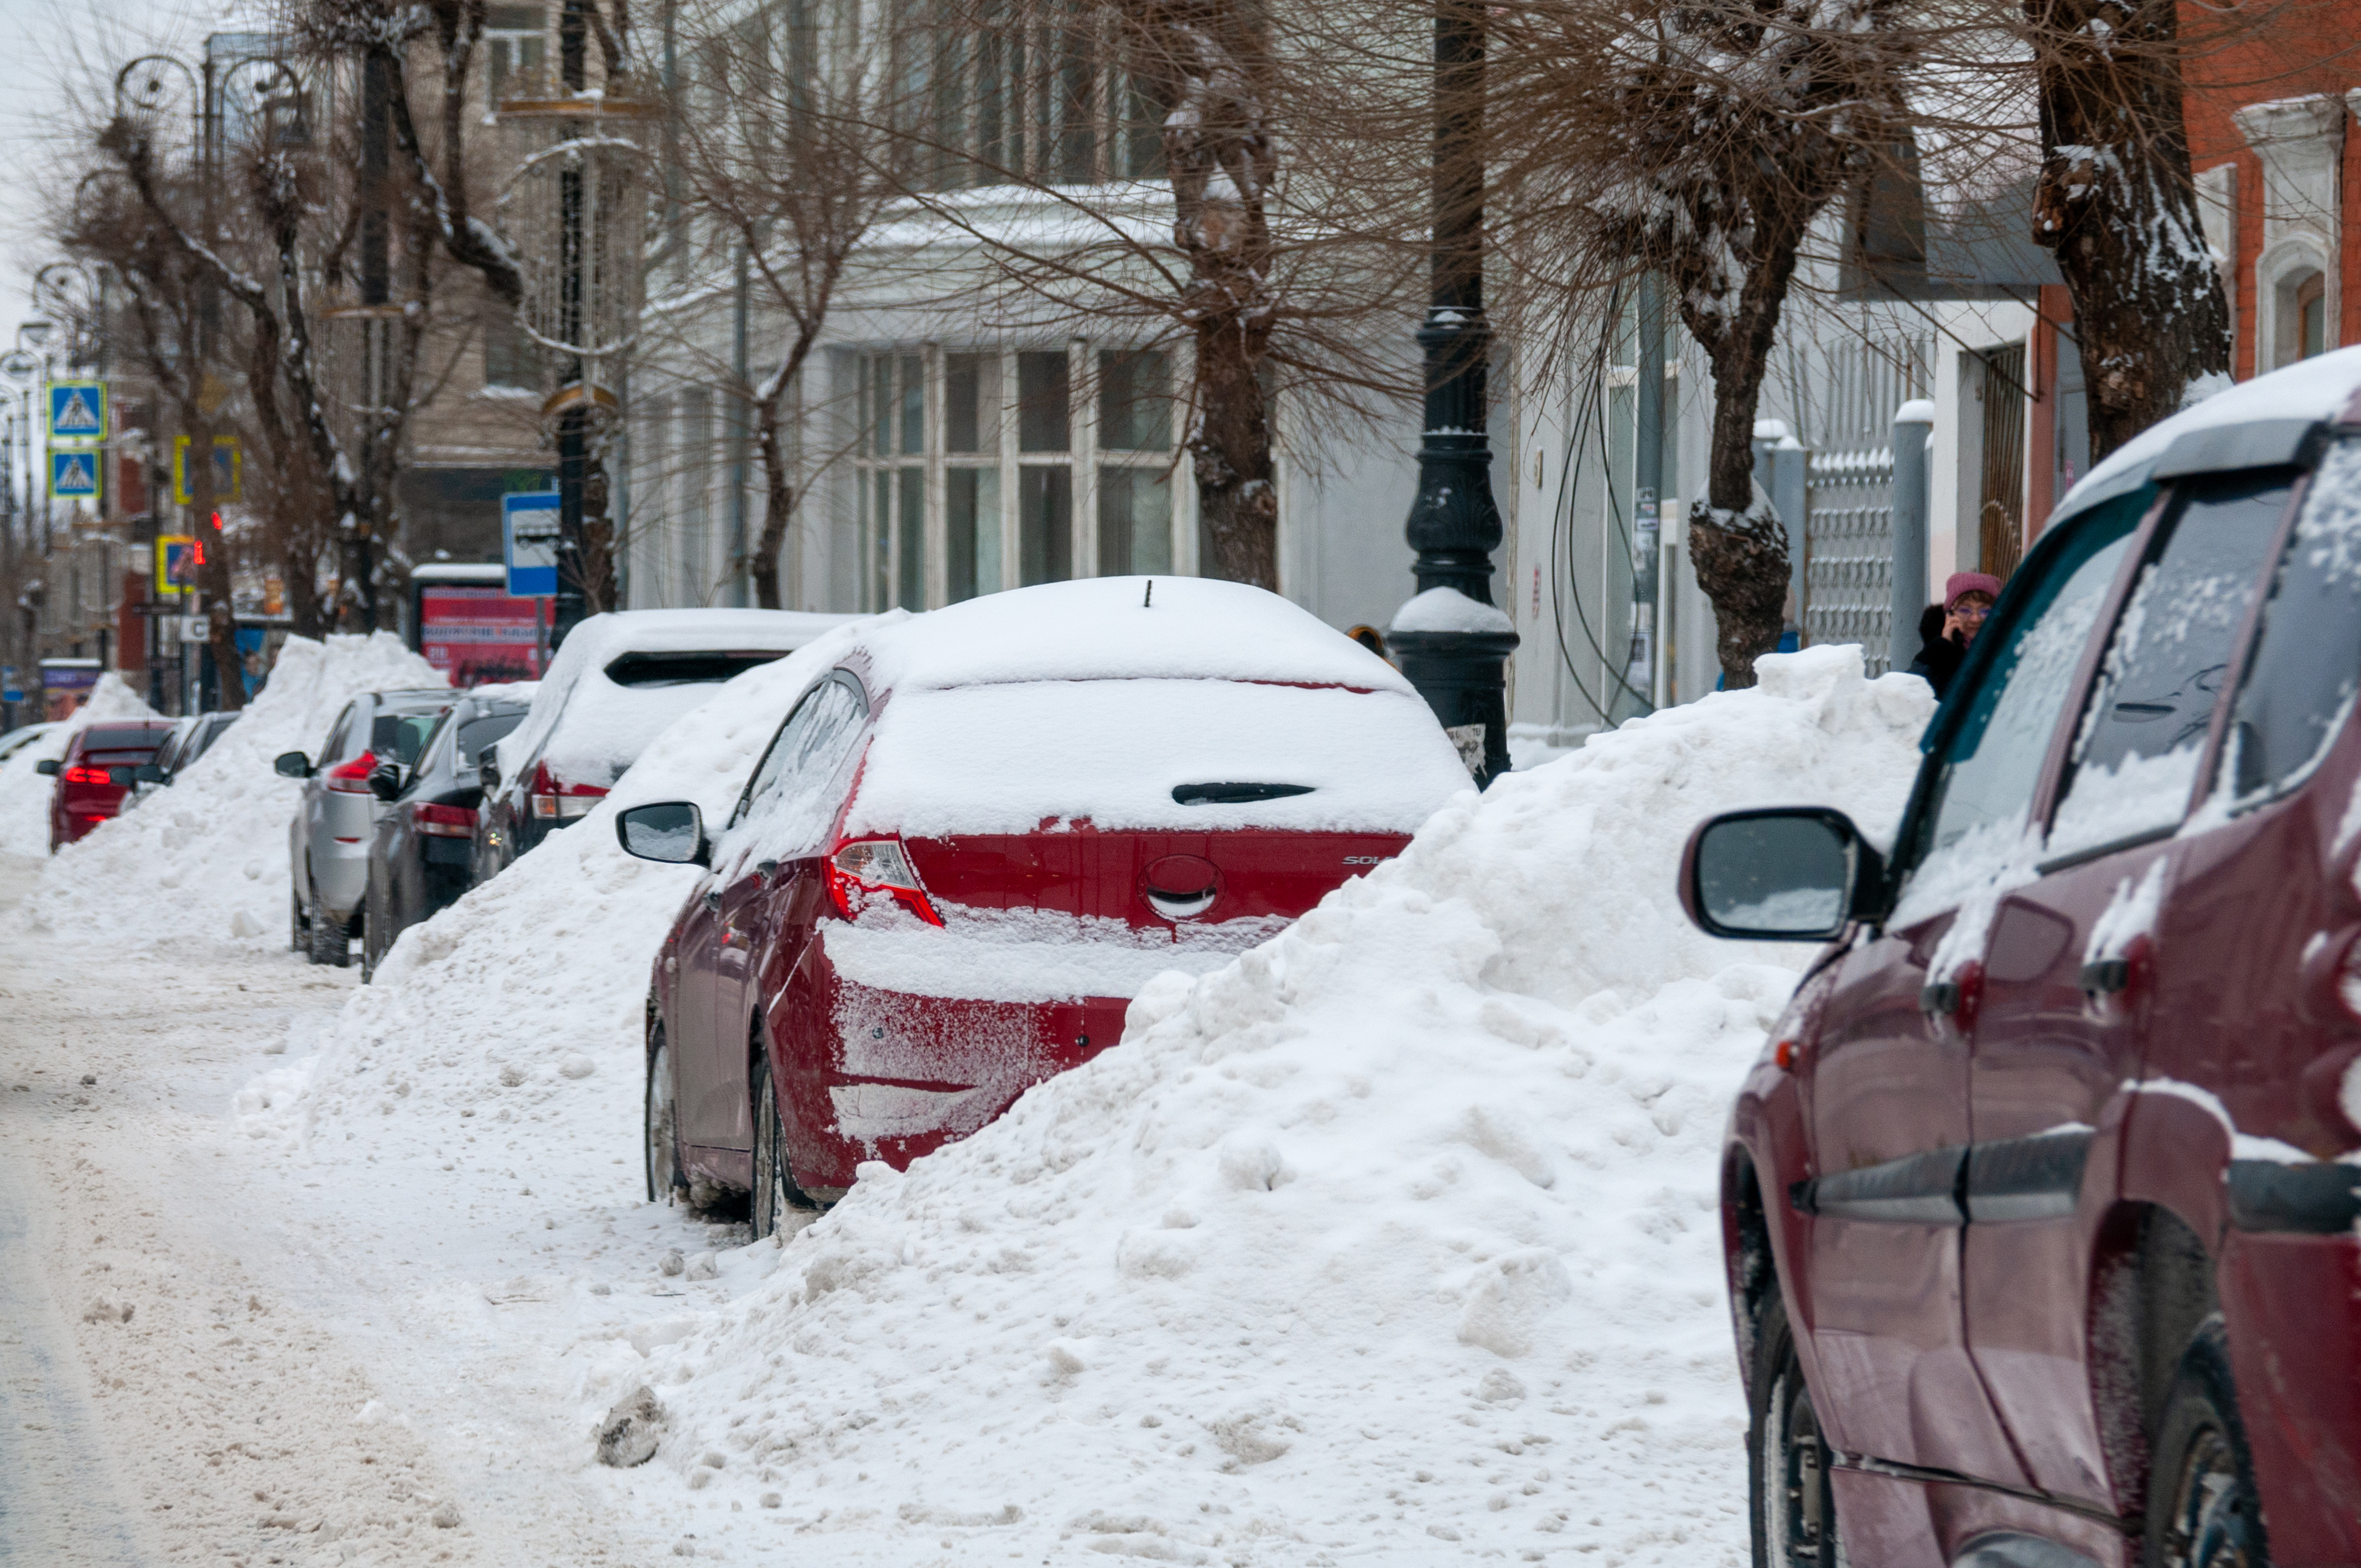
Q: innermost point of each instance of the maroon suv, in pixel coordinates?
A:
(2040, 1208)
(97, 773)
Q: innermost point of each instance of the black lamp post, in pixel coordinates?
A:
(1454, 653)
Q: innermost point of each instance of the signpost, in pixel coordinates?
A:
(74, 475)
(229, 470)
(529, 533)
(177, 559)
(77, 411)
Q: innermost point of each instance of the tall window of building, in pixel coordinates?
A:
(1025, 90)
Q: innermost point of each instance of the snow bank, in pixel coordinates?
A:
(523, 999)
(1399, 1231)
(25, 790)
(207, 858)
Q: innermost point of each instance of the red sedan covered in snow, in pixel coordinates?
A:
(975, 838)
(96, 774)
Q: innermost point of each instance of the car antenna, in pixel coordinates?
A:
(1149, 598)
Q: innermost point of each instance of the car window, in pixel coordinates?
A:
(802, 781)
(401, 736)
(2300, 684)
(479, 733)
(2143, 734)
(332, 749)
(1984, 784)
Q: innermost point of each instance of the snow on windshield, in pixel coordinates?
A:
(1006, 759)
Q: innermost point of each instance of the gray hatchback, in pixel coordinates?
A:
(328, 840)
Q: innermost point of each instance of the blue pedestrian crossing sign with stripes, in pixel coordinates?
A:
(77, 411)
(73, 476)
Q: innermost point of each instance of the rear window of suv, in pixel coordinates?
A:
(693, 669)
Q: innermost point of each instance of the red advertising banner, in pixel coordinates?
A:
(479, 635)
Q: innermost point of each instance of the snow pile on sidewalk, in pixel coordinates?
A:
(1395, 1239)
(523, 999)
(207, 858)
(24, 790)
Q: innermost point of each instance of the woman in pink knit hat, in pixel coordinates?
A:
(1947, 631)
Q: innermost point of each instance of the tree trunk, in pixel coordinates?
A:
(1739, 551)
(778, 498)
(2117, 205)
(1229, 454)
(1209, 60)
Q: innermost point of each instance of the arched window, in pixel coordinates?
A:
(2299, 315)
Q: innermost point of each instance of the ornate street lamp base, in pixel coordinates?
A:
(1461, 674)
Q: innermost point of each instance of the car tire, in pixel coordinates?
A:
(299, 929)
(369, 942)
(775, 1194)
(1791, 1500)
(659, 1125)
(2203, 1510)
(331, 942)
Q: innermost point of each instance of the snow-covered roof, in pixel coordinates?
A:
(1120, 629)
(2315, 388)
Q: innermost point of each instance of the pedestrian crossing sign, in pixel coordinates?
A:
(73, 476)
(77, 411)
(229, 471)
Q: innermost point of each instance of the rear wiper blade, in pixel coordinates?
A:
(1233, 794)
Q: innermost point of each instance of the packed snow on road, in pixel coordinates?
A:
(1393, 1239)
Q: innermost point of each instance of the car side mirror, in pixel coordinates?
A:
(292, 765)
(671, 832)
(385, 781)
(1784, 874)
(120, 776)
(148, 772)
(46, 767)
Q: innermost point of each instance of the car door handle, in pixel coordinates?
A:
(713, 898)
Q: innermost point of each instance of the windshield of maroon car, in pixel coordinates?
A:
(1132, 755)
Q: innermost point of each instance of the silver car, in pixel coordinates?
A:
(327, 851)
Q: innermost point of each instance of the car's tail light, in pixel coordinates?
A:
(351, 778)
(863, 870)
(443, 821)
(82, 775)
(563, 802)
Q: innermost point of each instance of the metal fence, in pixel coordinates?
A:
(1849, 551)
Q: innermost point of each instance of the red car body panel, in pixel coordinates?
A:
(1973, 1375)
(77, 805)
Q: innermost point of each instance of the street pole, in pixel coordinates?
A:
(1455, 653)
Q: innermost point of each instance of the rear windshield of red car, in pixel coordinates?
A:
(144, 741)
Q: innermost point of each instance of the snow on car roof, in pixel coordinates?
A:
(2315, 388)
(1119, 628)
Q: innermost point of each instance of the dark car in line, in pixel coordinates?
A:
(97, 773)
(191, 738)
(974, 841)
(2040, 1206)
(419, 854)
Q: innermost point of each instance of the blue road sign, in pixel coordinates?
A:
(529, 533)
(9, 690)
(77, 411)
(73, 476)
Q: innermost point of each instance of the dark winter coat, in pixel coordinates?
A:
(1939, 657)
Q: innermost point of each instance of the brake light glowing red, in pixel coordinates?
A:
(863, 870)
(351, 778)
(85, 775)
(554, 798)
(443, 821)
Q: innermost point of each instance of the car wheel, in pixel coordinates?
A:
(661, 1128)
(776, 1192)
(1793, 1506)
(2202, 1508)
(331, 943)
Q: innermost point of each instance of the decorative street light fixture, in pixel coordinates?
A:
(1452, 639)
